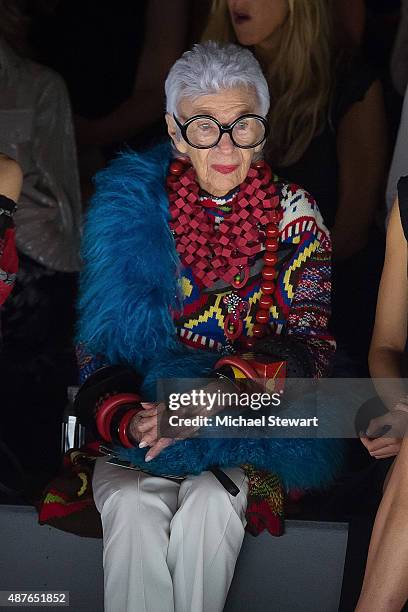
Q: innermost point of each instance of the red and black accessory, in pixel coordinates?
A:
(107, 402)
(7, 209)
(273, 360)
(225, 253)
(266, 372)
(8, 251)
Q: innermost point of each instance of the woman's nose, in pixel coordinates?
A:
(225, 144)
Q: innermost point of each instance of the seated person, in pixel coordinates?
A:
(385, 587)
(187, 260)
(38, 357)
(11, 179)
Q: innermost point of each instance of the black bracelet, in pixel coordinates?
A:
(7, 210)
(106, 381)
(284, 348)
(7, 206)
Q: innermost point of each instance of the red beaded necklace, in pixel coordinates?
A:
(225, 253)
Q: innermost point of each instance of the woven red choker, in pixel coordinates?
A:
(223, 253)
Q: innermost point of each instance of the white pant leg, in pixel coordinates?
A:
(136, 510)
(206, 535)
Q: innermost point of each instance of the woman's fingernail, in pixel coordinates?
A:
(143, 445)
(145, 404)
(148, 458)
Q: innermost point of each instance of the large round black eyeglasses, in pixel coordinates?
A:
(204, 131)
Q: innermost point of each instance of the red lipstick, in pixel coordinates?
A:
(224, 169)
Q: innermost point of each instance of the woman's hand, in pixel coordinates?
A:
(384, 434)
(144, 428)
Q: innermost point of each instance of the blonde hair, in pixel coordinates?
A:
(298, 71)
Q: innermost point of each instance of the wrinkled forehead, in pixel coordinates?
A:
(225, 105)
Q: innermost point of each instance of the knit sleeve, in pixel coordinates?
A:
(87, 362)
(304, 281)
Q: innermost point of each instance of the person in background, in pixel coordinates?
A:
(399, 163)
(37, 358)
(399, 56)
(114, 59)
(11, 179)
(385, 587)
(349, 20)
(329, 135)
(163, 40)
(382, 22)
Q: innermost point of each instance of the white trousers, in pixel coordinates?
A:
(168, 547)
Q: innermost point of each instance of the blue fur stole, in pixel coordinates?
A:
(131, 273)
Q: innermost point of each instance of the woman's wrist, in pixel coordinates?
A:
(401, 405)
(134, 435)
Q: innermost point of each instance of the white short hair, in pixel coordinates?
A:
(211, 67)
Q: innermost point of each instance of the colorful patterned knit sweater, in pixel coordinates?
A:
(301, 301)
(301, 309)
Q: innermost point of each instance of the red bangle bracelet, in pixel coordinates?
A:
(104, 409)
(108, 409)
(123, 427)
(242, 364)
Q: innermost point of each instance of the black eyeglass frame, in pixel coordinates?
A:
(223, 129)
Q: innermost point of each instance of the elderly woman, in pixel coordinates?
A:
(186, 260)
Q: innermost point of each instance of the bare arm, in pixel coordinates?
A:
(166, 28)
(399, 164)
(11, 178)
(390, 330)
(385, 587)
(399, 56)
(362, 154)
(388, 344)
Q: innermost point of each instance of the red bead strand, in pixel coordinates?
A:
(212, 255)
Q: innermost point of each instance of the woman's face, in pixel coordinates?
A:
(224, 166)
(255, 21)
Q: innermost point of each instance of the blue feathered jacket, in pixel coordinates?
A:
(129, 287)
